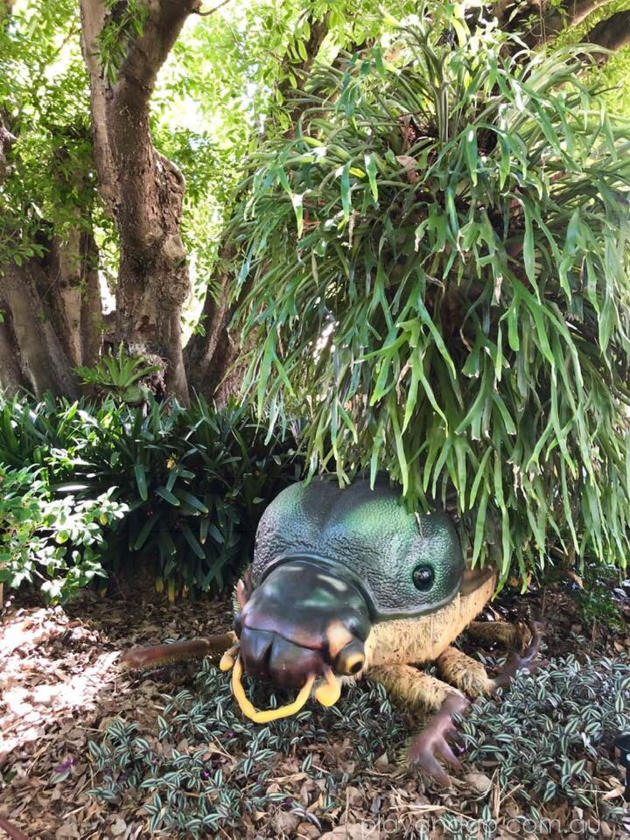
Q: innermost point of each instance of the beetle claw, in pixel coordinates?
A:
(431, 743)
(524, 662)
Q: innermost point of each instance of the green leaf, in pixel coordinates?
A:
(145, 531)
(192, 501)
(141, 481)
(216, 535)
(370, 166)
(528, 246)
(168, 496)
(345, 191)
(192, 541)
(470, 149)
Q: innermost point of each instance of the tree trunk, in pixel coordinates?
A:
(53, 316)
(59, 288)
(73, 300)
(12, 378)
(41, 354)
(92, 321)
(143, 190)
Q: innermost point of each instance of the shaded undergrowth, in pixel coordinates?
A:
(205, 769)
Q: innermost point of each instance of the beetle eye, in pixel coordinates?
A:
(423, 578)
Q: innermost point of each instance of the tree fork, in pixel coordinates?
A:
(142, 189)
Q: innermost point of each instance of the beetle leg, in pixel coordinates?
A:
(471, 677)
(420, 692)
(155, 656)
(466, 674)
(431, 742)
(413, 689)
(526, 662)
(512, 635)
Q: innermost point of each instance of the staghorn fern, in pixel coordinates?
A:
(435, 277)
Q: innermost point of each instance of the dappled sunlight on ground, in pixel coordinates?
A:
(59, 687)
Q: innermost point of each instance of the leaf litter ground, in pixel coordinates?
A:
(329, 774)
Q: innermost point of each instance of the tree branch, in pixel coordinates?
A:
(538, 22)
(612, 33)
(92, 22)
(147, 53)
(211, 11)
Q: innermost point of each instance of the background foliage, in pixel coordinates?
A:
(114, 485)
(223, 86)
(444, 227)
(437, 275)
(54, 543)
(43, 88)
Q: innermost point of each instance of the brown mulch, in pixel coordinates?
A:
(60, 688)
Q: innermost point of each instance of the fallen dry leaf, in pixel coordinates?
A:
(479, 782)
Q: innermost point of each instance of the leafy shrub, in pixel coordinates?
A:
(29, 432)
(193, 482)
(436, 266)
(595, 599)
(55, 543)
(119, 376)
(196, 482)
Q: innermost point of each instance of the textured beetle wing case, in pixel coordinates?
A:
(371, 534)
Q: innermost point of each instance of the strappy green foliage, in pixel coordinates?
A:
(437, 281)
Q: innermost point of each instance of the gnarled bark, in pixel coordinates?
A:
(143, 190)
(37, 348)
